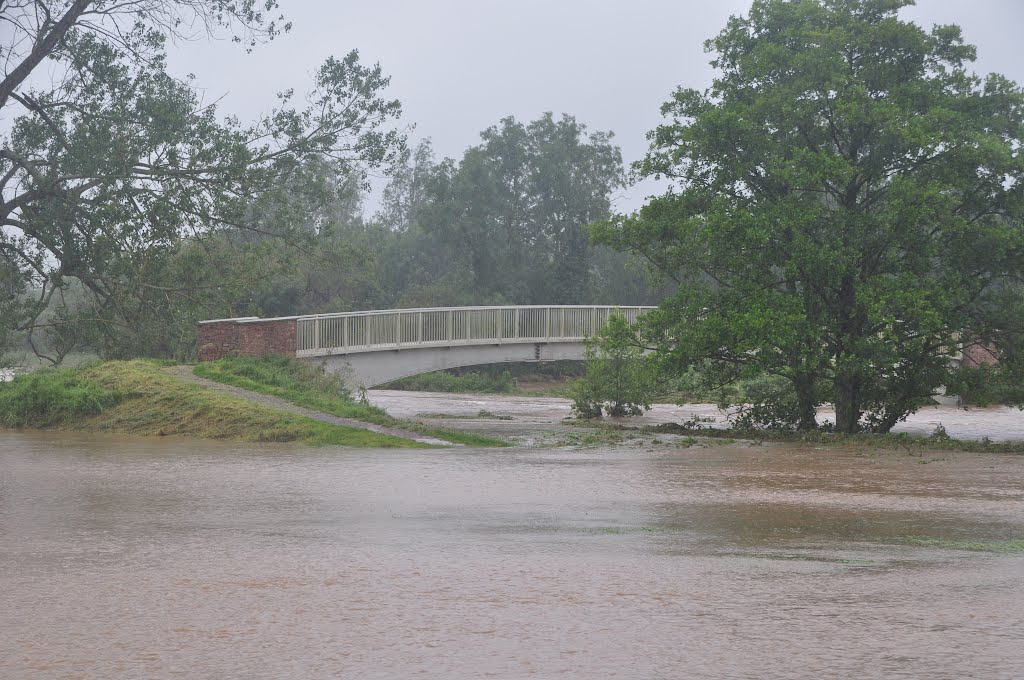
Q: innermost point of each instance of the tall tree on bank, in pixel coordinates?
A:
(111, 163)
(516, 206)
(846, 200)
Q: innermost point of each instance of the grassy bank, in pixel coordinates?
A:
(305, 385)
(136, 397)
(549, 378)
(471, 382)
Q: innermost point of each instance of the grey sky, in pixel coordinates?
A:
(458, 66)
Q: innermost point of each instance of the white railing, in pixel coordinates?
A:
(349, 332)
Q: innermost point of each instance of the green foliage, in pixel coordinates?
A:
(49, 398)
(766, 402)
(111, 167)
(987, 385)
(846, 201)
(618, 379)
(444, 381)
(506, 222)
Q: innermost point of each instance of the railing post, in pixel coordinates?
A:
(515, 333)
(561, 322)
(547, 323)
(450, 337)
(419, 332)
(316, 334)
(344, 331)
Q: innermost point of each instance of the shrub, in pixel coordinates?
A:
(49, 397)
(618, 380)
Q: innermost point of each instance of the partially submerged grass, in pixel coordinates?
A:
(136, 397)
(482, 414)
(307, 385)
(891, 440)
(1000, 546)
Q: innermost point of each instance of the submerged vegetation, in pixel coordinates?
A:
(618, 380)
(137, 397)
(938, 441)
(998, 546)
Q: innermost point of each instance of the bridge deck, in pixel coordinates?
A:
(351, 332)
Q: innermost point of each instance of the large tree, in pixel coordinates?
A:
(846, 205)
(109, 164)
(517, 205)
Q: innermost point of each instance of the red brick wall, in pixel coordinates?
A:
(978, 355)
(255, 338)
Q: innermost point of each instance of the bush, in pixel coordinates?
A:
(50, 397)
(618, 380)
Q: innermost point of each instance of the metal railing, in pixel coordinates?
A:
(349, 332)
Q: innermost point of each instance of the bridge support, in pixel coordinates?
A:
(370, 369)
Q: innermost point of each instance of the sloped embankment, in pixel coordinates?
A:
(137, 397)
(307, 386)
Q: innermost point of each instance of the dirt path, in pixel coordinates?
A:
(185, 373)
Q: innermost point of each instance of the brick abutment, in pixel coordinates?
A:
(245, 337)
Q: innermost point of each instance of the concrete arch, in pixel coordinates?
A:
(369, 369)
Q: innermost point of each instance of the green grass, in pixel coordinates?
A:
(136, 397)
(443, 381)
(555, 379)
(51, 398)
(307, 385)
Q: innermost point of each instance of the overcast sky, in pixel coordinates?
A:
(458, 66)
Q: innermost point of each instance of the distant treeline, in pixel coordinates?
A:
(505, 224)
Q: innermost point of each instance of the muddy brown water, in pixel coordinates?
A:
(997, 422)
(135, 558)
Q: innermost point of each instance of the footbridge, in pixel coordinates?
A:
(375, 347)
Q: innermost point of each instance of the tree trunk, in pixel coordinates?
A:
(807, 404)
(847, 398)
(888, 422)
(848, 378)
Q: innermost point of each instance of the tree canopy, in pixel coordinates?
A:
(518, 203)
(110, 163)
(846, 206)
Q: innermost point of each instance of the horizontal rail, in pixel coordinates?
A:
(349, 332)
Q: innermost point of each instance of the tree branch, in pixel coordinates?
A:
(42, 48)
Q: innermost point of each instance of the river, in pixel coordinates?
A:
(162, 558)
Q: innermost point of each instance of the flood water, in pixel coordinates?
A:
(999, 423)
(134, 558)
